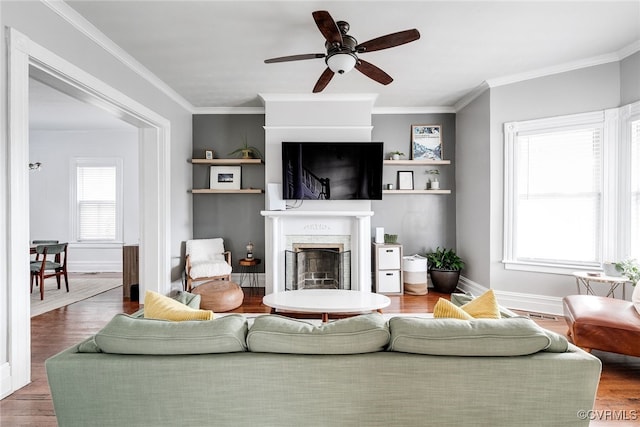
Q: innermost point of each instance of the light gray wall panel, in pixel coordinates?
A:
(473, 175)
(630, 79)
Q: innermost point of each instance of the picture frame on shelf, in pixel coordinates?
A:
(426, 142)
(208, 154)
(225, 177)
(405, 180)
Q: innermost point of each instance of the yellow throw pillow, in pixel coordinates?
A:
(157, 306)
(483, 307)
(446, 309)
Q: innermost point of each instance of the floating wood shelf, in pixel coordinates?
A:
(241, 191)
(227, 162)
(416, 191)
(416, 162)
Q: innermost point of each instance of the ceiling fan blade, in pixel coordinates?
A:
(327, 26)
(373, 72)
(390, 40)
(295, 58)
(323, 81)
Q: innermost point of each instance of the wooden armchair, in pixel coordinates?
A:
(206, 259)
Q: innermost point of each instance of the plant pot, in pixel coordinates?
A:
(395, 156)
(246, 154)
(445, 281)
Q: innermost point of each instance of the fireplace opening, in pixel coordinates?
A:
(317, 267)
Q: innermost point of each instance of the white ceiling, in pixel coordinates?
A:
(211, 53)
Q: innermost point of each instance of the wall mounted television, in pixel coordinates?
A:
(332, 170)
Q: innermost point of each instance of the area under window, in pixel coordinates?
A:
(98, 200)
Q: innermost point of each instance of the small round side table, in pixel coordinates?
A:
(248, 271)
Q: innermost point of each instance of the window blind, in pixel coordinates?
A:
(558, 196)
(96, 199)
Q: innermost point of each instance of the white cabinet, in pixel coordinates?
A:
(387, 264)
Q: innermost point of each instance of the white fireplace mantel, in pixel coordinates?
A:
(357, 224)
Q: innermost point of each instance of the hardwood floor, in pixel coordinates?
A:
(617, 402)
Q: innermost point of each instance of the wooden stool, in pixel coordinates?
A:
(219, 295)
(602, 323)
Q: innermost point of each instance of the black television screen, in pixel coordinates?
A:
(332, 170)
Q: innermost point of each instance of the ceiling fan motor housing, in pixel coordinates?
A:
(341, 58)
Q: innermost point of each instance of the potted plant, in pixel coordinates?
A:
(434, 184)
(248, 152)
(396, 155)
(444, 269)
(631, 270)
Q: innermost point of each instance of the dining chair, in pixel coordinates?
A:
(51, 261)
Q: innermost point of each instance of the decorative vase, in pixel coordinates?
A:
(435, 184)
(445, 281)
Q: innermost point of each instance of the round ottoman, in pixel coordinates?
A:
(219, 295)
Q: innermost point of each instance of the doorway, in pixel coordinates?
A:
(25, 58)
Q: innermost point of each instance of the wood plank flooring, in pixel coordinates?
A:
(618, 398)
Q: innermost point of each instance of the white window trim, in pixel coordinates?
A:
(628, 114)
(96, 161)
(608, 121)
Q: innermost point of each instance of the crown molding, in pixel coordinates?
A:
(413, 110)
(77, 21)
(469, 97)
(228, 110)
(628, 50)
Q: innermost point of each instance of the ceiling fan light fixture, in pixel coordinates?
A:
(341, 62)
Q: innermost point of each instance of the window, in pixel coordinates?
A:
(572, 190)
(635, 190)
(98, 200)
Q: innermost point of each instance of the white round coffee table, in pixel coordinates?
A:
(326, 301)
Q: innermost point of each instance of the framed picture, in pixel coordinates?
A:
(208, 154)
(225, 178)
(405, 180)
(426, 142)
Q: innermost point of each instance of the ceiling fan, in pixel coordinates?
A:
(342, 50)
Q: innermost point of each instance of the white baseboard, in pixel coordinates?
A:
(94, 266)
(5, 380)
(518, 301)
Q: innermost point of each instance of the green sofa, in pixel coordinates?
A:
(360, 371)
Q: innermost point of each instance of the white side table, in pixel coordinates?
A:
(585, 279)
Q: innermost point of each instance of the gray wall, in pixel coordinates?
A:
(422, 222)
(473, 177)
(234, 217)
(630, 79)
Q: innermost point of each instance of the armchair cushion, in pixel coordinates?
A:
(205, 250)
(210, 268)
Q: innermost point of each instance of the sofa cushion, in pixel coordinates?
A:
(128, 335)
(366, 333)
(477, 337)
(157, 306)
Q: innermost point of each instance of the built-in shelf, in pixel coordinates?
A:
(416, 191)
(241, 191)
(416, 162)
(227, 162)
